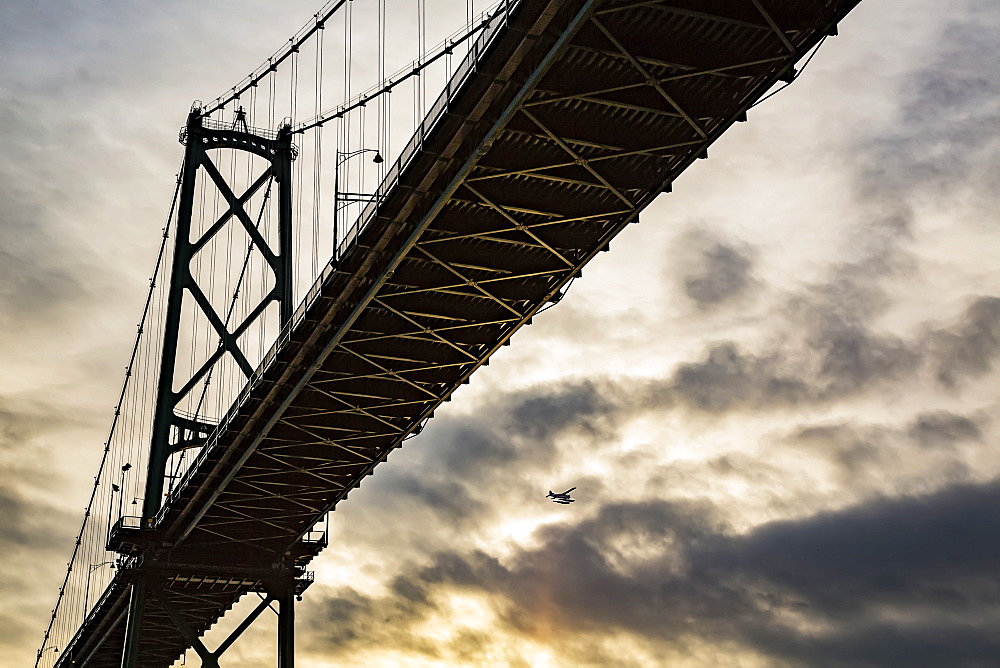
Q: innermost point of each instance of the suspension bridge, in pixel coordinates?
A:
(329, 274)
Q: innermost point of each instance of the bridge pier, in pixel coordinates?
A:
(286, 625)
(162, 594)
(133, 628)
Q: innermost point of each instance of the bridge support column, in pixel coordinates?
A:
(286, 624)
(133, 628)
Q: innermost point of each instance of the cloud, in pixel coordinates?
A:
(837, 356)
(38, 272)
(34, 529)
(462, 464)
(968, 351)
(730, 378)
(943, 138)
(544, 412)
(943, 429)
(715, 271)
(902, 582)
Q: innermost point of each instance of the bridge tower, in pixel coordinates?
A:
(157, 572)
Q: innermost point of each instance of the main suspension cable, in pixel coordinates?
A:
(442, 50)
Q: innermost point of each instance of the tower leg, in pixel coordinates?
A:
(286, 626)
(133, 627)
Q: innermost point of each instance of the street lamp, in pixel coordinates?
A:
(341, 199)
(86, 596)
(121, 490)
(52, 648)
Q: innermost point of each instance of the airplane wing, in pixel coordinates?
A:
(569, 490)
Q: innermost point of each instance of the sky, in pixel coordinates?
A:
(776, 395)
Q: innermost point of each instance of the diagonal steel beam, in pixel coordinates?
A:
(233, 205)
(241, 215)
(680, 11)
(518, 225)
(387, 372)
(645, 73)
(450, 289)
(323, 441)
(583, 162)
(209, 660)
(622, 153)
(426, 330)
(229, 340)
(649, 78)
(774, 26)
(413, 336)
(689, 72)
(484, 234)
(475, 285)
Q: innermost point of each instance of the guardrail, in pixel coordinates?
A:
(127, 522)
(315, 538)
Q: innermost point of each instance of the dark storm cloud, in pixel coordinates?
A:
(904, 582)
(715, 270)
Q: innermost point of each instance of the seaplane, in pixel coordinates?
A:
(562, 498)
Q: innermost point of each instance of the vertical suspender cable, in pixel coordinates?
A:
(317, 154)
(383, 101)
(422, 49)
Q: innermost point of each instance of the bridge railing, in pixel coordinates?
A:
(499, 19)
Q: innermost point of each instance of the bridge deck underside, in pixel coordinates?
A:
(576, 119)
(202, 601)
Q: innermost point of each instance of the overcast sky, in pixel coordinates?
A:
(776, 396)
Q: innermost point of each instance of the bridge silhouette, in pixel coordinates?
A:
(558, 123)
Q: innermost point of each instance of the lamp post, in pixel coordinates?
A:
(121, 490)
(115, 489)
(51, 648)
(346, 197)
(86, 596)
